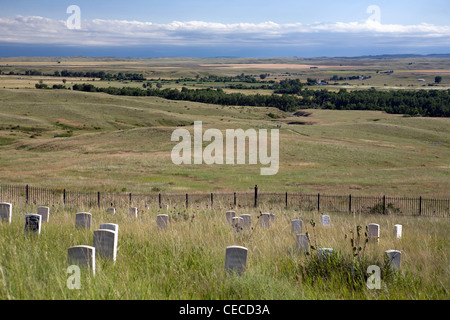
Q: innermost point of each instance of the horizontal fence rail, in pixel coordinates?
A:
(413, 206)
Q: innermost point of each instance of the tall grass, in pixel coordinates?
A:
(187, 260)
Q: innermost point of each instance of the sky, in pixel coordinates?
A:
(235, 28)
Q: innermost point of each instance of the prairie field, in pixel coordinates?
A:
(92, 141)
(186, 261)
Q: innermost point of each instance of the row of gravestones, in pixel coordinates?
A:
(236, 255)
(106, 238)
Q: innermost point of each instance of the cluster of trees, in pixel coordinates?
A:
(337, 78)
(82, 74)
(433, 103)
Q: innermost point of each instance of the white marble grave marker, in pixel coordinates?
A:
(105, 243)
(325, 220)
(394, 257)
(373, 232)
(162, 221)
(111, 210)
(83, 220)
(6, 211)
(236, 259)
(230, 215)
(296, 226)
(302, 242)
(325, 253)
(246, 221)
(83, 256)
(237, 223)
(44, 212)
(398, 231)
(33, 223)
(265, 220)
(111, 226)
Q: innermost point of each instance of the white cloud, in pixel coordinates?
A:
(41, 30)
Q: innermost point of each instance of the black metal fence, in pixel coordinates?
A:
(414, 206)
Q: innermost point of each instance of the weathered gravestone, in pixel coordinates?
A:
(325, 220)
(105, 243)
(325, 253)
(398, 231)
(272, 217)
(83, 256)
(373, 232)
(33, 223)
(111, 210)
(296, 226)
(265, 220)
(237, 223)
(83, 220)
(246, 221)
(394, 257)
(302, 242)
(236, 259)
(133, 212)
(230, 215)
(111, 226)
(162, 221)
(5, 211)
(44, 212)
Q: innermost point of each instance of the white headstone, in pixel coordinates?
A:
(246, 221)
(302, 242)
(83, 220)
(111, 226)
(82, 256)
(111, 211)
(398, 231)
(5, 211)
(33, 223)
(236, 259)
(325, 220)
(230, 215)
(324, 253)
(265, 220)
(44, 212)
(105, 243)
(297, 226)
(162, 221)
(394, 257)
(373, 232)
(272, 217)
(237, 223)
(133, 211)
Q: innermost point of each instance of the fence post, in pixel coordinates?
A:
(98, 199)
(187, 201)
(286, 200)
(420, 206)
(350, 203)
(212, 199)
(318, 202)
(256, 196)
(159, 200)
(130, 198)
(26, 194)
(64, 197)
(235, 200)
(384, 204)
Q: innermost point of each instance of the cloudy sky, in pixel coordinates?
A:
(208, 28)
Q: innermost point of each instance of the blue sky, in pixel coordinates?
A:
(232, 28)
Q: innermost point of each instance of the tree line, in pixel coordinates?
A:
(431, 103)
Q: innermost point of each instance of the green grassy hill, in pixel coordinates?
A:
(94, 141)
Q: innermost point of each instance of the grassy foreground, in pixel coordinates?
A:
(186, 261)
